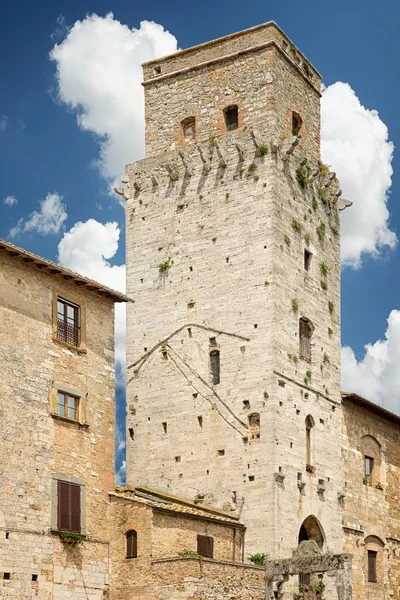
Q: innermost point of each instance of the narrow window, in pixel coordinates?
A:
(189, 128)
(69, 507)
(372, 566)
(131, 544)
(67, 322)
(254, 426)
(369, 467)
(304, 579)
(297, 123)
(67, 406)
(305, 333)
(200, 420)
(205, 546)
(215, 366)
(165, 427)
(309, 426)
(307, 259)
(34, 577)
(231, 118)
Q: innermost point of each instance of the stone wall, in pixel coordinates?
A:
(215, 255)
(260, 71)
(370, 515)
(35, 445)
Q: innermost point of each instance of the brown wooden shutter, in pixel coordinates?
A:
(75, 504)
(131, 544)
(69, 507)
(63, 506)
(372, 566)
(205, 546)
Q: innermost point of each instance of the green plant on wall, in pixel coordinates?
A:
(164, 266)
(330, 306)
(303, 175)
(314, 204)
(324, 285)
(295, 305)
(307, 239)
(321, 231)
(334, 230)
(287, 240)
(296, 226)
(330, 330)
(263, 149)
(258, 558)
(324, 269)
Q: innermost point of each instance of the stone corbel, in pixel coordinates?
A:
(279, 477)
(204, 158)
(240, 150)
(342, 204)
(222, 161)
(186, 163)
(173, 173)
(154, 179)
(313, 175)
(288, 147)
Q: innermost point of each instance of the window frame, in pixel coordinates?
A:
(305, 341)
(372, 572)
(75, 302)
(369, 476)
(56, 478)
(231, 126)
(215, 365)
(75, 325)
(67, 407)
(81, 397)
(134, 544)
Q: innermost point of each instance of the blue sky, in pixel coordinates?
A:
(45, 155)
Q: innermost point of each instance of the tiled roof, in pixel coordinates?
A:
(159, 501)
(371, 406)
(54, 269)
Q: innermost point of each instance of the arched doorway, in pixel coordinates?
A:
(311, 529)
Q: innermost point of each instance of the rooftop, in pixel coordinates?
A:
(371, 406)
(54, 269)
(162, 502)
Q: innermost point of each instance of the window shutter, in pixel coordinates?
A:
(63, 506)
(205, 546)
(75, 495)
(131, 544)
(372, 566)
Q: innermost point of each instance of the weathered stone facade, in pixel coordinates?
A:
(217, 234)
(37, 446)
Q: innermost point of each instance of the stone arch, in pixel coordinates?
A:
(189, 128)
(129, 526)
(311, 529)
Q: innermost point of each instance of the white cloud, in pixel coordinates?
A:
(120, 476)
(99, 76)
(49, 219)
(376, 375)
(4, 122)
(10, 200)
(86, 249)
(354, 141)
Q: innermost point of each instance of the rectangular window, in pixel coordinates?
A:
(307, 259)
(369, 467)
(304, 579)
(231, 118)
(215, 366)
(67, 322)
(372, 566)
(69, 507)
(205, 546)
(67, 406)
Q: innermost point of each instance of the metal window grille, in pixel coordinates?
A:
(67, 323)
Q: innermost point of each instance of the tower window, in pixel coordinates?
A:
(131, 544)
(254, 426)
(189, 128)
(369, 467)
(305, 333)
(309, 426)
(307, 259)
(297, 123)
(215, 366)
(372, 566)
(231, 118)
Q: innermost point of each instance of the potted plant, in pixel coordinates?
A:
(365, 480)
(70, 538)
(379, 486)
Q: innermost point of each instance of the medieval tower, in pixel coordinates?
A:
(233, 258)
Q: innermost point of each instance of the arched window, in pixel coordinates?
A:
(297, 123)
(189, 128)
(371, 453)
(231, 117)
(131, 544)
(254, 426)
(374, 559)
(305, 334)
(309, 426)
(311, 529)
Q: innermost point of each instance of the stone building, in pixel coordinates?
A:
(56, 429)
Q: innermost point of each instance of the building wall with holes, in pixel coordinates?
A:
(34, 445)
(216, 238)
(371, 515)
(260, 71)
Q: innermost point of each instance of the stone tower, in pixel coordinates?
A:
(233, 343)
